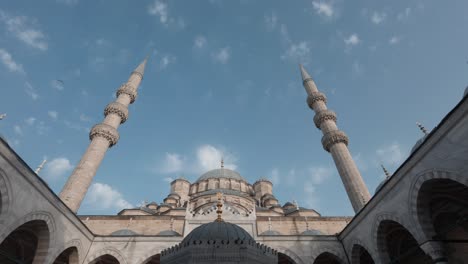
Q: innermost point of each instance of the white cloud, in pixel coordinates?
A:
(53, 114)
(271, 20)
(8, 61)
(75, 126)
(57, 167)
(357, 68)
(102, 196)
(31, 91)
(274, 176)
(404, 14)
(168, 179)
(297, 52)
(18, 130)
(323, 8)
(85, 118)
(166, 60)
(310, 195)
(352, 40)
(199, 42)
(378, 18)
(390, 154)
(222, 55)
(394, 40)
(209, 158)
(318, 175)
(68, 2)
(30, 121)
(158, 8)
(173, 163)
(21, 27)
(57, 84)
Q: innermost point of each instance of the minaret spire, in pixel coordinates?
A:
(335, 141)
(102, 136)
(387, 174)
(422, 128)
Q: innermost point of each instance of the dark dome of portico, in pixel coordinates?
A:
(220, 231)
(221, 173)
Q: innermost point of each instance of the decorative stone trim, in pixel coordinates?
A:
(314, 97)
(138, 73)
(322, 116)
(128, 90)
(119, 109)
(105, 131)
(333, 137)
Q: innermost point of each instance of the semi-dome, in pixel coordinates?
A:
(168, 233)
(124, 232)
(220, 231)
(381, 184)
(271, 233)
(221, 173)
(418, 143)
(311, 232)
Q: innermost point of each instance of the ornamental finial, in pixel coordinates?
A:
(422, 128)
(222, 162)
(269, 224)
(219, 205)
(39, 168)
(387, 174)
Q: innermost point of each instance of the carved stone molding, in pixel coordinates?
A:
(105, 131)
(322, 116)
(314, 97)
(128, 90)
(333, 137)
(119, 109)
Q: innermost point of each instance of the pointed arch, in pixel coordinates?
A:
(68, 256)
(360, 255)
(289, 253)
(154, 259)
(74, 243)
(328, 255)
(27, 243)
(110, 253)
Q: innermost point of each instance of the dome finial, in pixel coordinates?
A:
(423, 129)
(219, 205)
(222, 162)
(387, 174)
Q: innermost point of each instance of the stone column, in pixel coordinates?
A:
(335, 141)
(102, 136)
(435, 250)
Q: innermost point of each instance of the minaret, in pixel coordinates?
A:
(335, 141)
(102, 136)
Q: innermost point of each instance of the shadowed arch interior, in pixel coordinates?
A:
(28, 243)
(105, 259)
(68, 256)
(443, 207)
(156, 259)
(359, 255)
(397, 245)
(284, 259)
(327, 258)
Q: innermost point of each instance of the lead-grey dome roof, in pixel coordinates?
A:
(311, 232)
(221, 231)
(124, 232)
(271, 233)
(221, 173)
(168, 233)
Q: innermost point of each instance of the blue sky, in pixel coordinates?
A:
(223, 80)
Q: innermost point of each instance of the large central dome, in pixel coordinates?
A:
(221, 173)
(222, 231)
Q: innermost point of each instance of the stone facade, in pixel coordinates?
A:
(418, 215)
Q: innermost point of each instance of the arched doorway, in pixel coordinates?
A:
(285, 259)
(105, 259)
(156, 259)
(327, 258)
(68, 256)
(28, 243)
(359, 255)
(397, 245)
(443, 213)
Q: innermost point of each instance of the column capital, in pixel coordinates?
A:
(106, 131)
(436, 251)
(118, 109)
(333, 137)
(128, 90)
(322, 116)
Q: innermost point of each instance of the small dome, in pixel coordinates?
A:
(221, 173)
(124, 232)
(289, 204)
(223, 231)
(168, 233)
(311, 232)
(381, 185)
(466, 92)
(271, 233)
(418, 143)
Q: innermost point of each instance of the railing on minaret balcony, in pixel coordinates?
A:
(335, 141)
(102, 136)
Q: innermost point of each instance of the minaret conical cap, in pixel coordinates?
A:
(141, 68)
(305, 75)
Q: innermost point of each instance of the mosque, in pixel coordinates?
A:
(418, 214)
